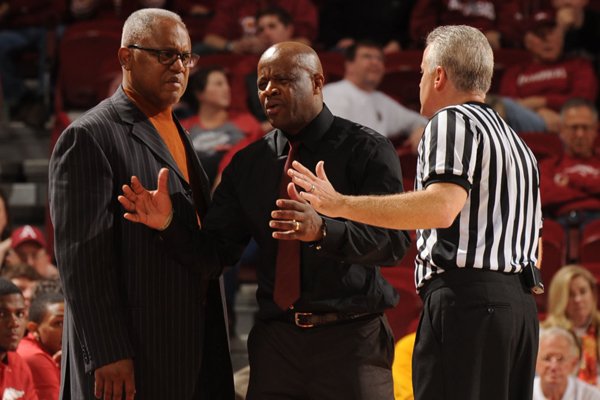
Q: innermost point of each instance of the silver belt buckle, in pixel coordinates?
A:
(299, 323)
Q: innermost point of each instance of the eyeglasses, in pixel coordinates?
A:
(168, 57)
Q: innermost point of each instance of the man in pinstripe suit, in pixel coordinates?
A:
(137, 322)
(477, 211)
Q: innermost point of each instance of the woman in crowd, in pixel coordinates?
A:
(572, 304)
(216, 132)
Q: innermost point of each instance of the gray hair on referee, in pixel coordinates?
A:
(466, 55)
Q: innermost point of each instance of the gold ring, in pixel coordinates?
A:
(312, 188)
(296, 225)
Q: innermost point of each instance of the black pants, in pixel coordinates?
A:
(477, 338)
(350, 360)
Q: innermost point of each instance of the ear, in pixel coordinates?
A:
(319, 81)
(440, 79)
(125, 57)
(31, 326)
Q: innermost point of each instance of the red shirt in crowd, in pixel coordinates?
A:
(16, 382)
(234, 18)
(44, 370)
(569, 184)
(485, 15)
(557, 82)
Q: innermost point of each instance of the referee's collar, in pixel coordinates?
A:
(310, 136)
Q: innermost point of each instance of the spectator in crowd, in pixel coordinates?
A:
(28, 246)
(275, 25)
(110, 11)
(345, 22)
(44, 286)
(137, 322)
(5, 228)
(24, 26)
(570, 182)
(320, 291)
(495, 18)
(16, 381)
(558, 356)
(572, 297)
(581, 27)
(534, 91)
(215, 132)
(25, 277)
(233, 28)
(43, 343)
(356, 97)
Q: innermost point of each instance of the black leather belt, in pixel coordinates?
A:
(311, 320)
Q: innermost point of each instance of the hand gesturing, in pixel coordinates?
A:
(152, 208)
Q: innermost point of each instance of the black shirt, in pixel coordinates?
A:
(343, 275)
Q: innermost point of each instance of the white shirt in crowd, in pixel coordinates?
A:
(576, 390)
(375, 110)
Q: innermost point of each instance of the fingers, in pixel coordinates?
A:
(293, 193)
(99, 386)
(320, 170)
(303, 170)
(163, 180)
(136, 185)
(126, 203)
(129, 387)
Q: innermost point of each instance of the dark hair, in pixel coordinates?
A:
(350, 51)
(7, 287)
(284, 17)
(198, 81)
(5, 233)
(575, 102)
(39, 304)
(46, 286)
(20, 270)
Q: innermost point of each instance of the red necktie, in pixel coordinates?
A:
(287, 266)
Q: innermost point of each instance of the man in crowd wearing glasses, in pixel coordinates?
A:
(136, 321)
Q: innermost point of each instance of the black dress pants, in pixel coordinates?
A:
(348, 360)
(477, 338)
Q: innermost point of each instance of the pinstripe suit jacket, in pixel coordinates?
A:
(126, 297)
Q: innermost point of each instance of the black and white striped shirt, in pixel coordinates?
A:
(498, 228)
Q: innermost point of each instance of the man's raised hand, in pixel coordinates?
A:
(152, 208)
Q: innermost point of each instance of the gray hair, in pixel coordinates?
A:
(466, 55)
(576, 102)
(557, 331)
(141, 22)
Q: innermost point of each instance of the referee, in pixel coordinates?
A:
(477, 212)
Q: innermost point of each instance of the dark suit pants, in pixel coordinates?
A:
(477, 338)
(348, 360)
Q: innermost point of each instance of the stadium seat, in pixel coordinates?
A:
(87, 58)
(553, 257)
(589, 247)
(543, 144)
(401, 318)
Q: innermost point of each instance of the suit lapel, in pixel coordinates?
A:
(145, 132)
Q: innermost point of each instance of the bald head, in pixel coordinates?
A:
(302, 54)
(290, 83)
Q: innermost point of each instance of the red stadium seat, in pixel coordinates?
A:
(408, 309)
(87, 54)
(402, 77)
(553, 256)
(589, 248)
(543, 144)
